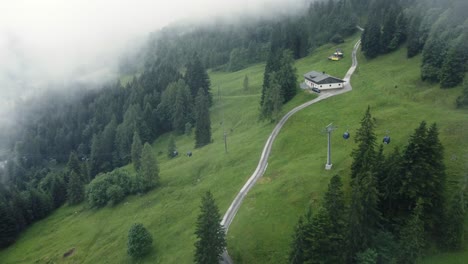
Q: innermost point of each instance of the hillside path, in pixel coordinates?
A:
(263, 163)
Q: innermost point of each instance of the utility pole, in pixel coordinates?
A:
(329, 129)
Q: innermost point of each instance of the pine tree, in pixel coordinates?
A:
(300, 243)
(183, 108)
(388, 31)
(148, 176)
(273, 100)
(8, 229)
(364, 155)
(74, 164)
(455, 221)
(371, 38)
(454, 65)
(75, 189)
(272, 65)
(334, 204)
(412, 237)
(203, 122)
(286, 76)
(423, 173)
(414, 40)
(197, 78)
(210, 234)
(136, 150)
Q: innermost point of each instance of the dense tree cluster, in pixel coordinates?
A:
(232, 46)
(437, 29)
(396, 209)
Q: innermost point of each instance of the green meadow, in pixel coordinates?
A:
(294, 179)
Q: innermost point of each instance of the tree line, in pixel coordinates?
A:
(398, 205)
(99, 131)
(435, 29)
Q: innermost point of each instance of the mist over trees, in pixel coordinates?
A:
(435, 29)
(95, 131)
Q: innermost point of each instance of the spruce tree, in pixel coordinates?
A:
(334, 204)
(75, 189)
(210, 233)
(412, 237)
(8, 229)
(183, 108)
(286, 76)
(74, 164)
(137, 147)
(148, 176)
(454, 65)
(455, 221)
(197, 78)
(364, 155)
(273, 101)
(202, 122)
(300, 244)
(371, 38)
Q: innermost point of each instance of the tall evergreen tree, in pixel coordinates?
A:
(197, 78)
(455, 219)
(273, 101)
(286, 76)
(364, 155)
(183, 108)
(75, 190)
(203, 122)
(454, 65)
(371, 38)
(8, 229)
(136, 150)
(148, 176)
(210, 233)
(300, 243)
(412, 237)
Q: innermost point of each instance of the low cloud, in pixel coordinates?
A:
(53, 42)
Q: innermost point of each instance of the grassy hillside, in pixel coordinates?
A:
(295, 177)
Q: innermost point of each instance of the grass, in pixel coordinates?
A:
(295, 177)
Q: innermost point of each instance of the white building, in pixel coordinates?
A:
(322, 81)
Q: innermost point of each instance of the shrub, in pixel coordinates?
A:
(337, 39)
(115, 194)
(109, 188)
(139, 241)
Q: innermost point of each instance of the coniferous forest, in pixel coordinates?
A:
(71, 150)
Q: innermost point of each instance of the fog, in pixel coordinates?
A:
(50, 43)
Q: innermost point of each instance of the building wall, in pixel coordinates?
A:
(324, 86)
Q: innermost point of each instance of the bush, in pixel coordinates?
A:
(115, 194)
(337, 39)
(109, 188)
(139, 241)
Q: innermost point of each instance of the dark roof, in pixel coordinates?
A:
(321, 78)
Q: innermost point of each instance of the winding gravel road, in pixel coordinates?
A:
(263, 163)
